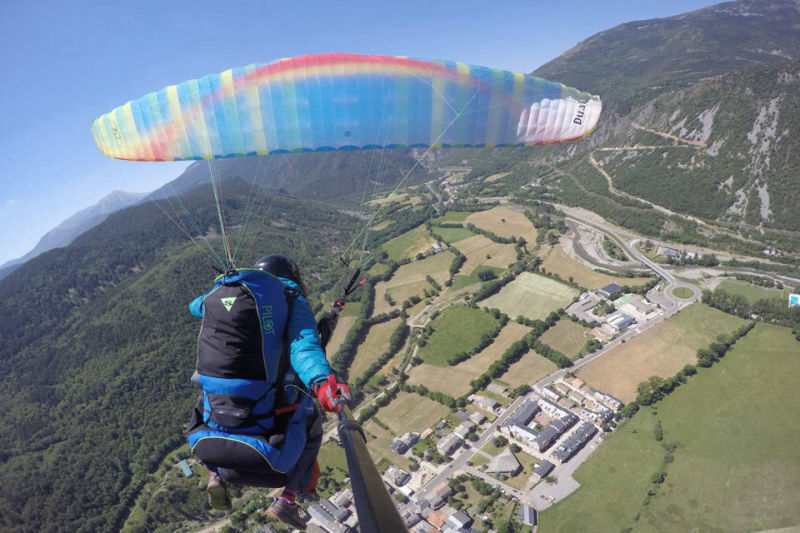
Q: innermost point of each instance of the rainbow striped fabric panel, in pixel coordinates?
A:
(344, 102)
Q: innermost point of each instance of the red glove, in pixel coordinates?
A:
(332, 395)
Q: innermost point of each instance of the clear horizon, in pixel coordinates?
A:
(65, 64)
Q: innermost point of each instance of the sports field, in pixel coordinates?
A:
(737, 463)
(528, 370)
(410, 280)
(560, 263)
(660, 351)
(409, 244)
(751, 292)
(504, 222)
(531, 296)
(373, 347)
(454, 380)
(481, 251)
(567, 337)
(456, 329)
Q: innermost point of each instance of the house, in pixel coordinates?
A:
(553, 395)
(443, 490)
(575, 382)
(185, 468)
(459, 520)
(463, 415)
(619, 321)
(543, 468)
(447, 445)
(344, 498)
(437, 518)
(565, 403)
(326, 519)
(396, 476)
(477, 417)
(464, 428)
(402, 444)
(608, 400)
(339, 513)
(527, 515)
(486, 403)
(669, 253)
(496, 388)
(426, 433)
(562, 389)
(504, 462)
(410, 517)
(609, 291)
(577, 397)
(567, 449)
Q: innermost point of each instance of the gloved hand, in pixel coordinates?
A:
(332, 395)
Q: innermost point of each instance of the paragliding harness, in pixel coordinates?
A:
(245, 421)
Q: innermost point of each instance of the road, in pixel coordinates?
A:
(458, 464)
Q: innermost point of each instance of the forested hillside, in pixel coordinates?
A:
(97, 348)
(632, 63)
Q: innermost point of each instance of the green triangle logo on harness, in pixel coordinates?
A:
(228, 302)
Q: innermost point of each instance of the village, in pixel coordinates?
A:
(522, 450)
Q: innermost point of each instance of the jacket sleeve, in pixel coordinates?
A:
(306, 353)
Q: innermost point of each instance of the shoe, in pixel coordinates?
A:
(218, 493)
(289, 513)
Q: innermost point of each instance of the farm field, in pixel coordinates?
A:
(481, 251)
(531, 296)
(504, 222)
(495, 177)
(528, 370)
(723, 477)
(752, 293)
(411, 412)
(381, 225)
(454, 380)
(378, 441)
(452, 235)
(409, 244)
(451, 216)
(373, 347)
(459, 282)
(560, 263)
(660, 351)
(567, 337)
(456, 329)
(410, 280)
(339, 333)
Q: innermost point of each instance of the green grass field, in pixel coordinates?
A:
(409, 244)
(504, 222)
(567, 337)
(682, 293)
(531, 296)
(411, 280)
(454, 380)
(457, 329)
(751, 292)
(463, 281)
(451, 235)
(737, 463)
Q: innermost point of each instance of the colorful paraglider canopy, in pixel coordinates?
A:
(344, 102)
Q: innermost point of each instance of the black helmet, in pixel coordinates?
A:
(281, 266)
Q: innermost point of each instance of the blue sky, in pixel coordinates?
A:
(64, 63)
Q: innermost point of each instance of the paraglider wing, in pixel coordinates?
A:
(341, 102)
